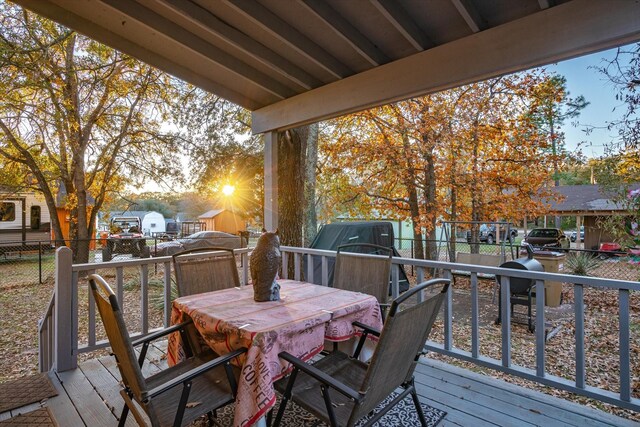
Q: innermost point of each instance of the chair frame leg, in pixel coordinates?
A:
(285, 397)
(184, 399)
(408, 388)
(123, 415)
(417, 404)
(327, 401)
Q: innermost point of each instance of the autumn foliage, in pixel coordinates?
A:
(476, 152)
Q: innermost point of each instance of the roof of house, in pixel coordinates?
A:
(586, 198)
(211, 214)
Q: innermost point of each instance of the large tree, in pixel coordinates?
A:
(222, 151)
(471, 153)
(80, 117)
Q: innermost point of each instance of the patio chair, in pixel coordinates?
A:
(164, 396)
(204, 270)
(358, 273)
(340, 390)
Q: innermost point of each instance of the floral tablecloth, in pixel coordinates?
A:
(299, 323)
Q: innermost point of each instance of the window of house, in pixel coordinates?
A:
(7, 211)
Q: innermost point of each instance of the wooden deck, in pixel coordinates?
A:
(89, 396)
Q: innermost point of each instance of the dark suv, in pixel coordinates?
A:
(487, 233)
(547, 238)
(125, 237)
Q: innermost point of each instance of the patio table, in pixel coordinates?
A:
(299, 323)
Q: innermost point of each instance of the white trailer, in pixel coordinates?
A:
(24, 217)
(153, 224)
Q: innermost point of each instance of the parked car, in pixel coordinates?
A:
(487, 233)
(201, 239)
(125, 237)
(574, 235)
(547, 238)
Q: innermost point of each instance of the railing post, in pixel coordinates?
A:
(64, 357)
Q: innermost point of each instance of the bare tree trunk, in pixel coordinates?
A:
(412, 191)
(475, 192)
(310, 165)
(454, 217)
(430, 198)
(291, 150)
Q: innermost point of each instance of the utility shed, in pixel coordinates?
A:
(223, 220)
(153, 223)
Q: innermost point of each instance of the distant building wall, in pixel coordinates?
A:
(229, 222)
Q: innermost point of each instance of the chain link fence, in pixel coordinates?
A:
(621, 265)
(33, 262)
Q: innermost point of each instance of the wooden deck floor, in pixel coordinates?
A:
(89, 396)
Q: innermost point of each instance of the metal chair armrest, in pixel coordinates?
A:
(367, 328)
(188, 376)
(160, 334)
(321, 376)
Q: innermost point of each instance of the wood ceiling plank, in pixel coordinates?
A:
(78, 18)
(400, 19)
(583, 26)
(470, 15)
(241, 41)
(271, 23)
(192, 42)
(346, 31)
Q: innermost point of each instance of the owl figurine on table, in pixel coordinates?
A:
(264, 264)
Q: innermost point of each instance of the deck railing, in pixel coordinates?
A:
(62, 314)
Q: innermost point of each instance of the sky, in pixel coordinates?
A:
(602, 108)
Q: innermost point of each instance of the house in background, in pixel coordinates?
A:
(223, 220)
(588, 203)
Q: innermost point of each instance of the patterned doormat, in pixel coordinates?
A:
(25, 390)
(402, 415)
(39, 417)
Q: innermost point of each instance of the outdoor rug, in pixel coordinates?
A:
(25, 390)
(402, 415)
(39, 417)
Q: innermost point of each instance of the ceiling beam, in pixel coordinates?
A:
(194, 43)
(400, 19)
(470, 15)
(571, 29)
(346, 31)
(271, 23)
(210, 23)
(85, 26)
(545, 4)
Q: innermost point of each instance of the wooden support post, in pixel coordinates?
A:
(65, 304)
(271, 180)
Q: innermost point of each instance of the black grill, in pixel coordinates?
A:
(520, 288)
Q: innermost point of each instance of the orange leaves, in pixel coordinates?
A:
(474, 151)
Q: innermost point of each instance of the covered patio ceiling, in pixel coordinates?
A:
(294, 62)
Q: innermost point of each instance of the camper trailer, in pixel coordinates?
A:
(24, 220)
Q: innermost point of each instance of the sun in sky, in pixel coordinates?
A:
(228, 190)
